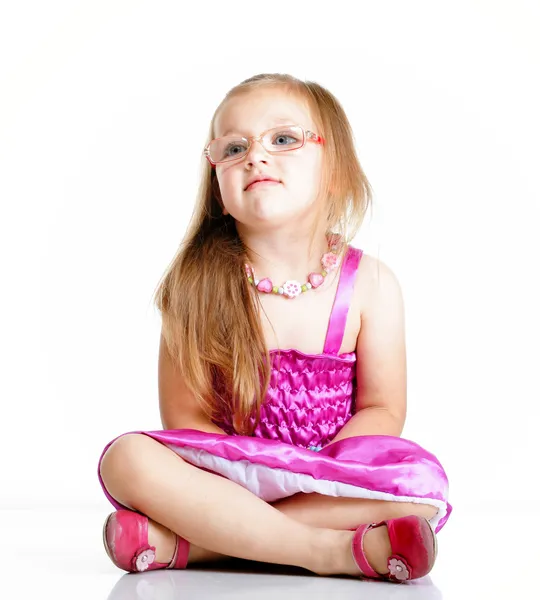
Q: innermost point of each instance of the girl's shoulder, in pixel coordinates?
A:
(378, 292)
(372, 273)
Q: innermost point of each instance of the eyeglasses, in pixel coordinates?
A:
(275, 140)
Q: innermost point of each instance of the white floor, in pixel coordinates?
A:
(59, 554)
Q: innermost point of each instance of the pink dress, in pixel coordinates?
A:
(309, 399)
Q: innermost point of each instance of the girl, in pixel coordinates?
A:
(289, 455)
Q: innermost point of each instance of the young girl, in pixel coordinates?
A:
(288, 455)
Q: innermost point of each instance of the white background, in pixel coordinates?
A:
(104, 109)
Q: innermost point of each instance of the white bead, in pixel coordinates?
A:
(308, 285)
(294, 288)
(280, 290)
(256, 282)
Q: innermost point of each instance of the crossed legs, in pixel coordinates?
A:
(221, 519)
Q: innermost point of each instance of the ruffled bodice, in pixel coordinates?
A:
(310, 397)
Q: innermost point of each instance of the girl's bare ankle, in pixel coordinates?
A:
(163, 539)
(332, 554)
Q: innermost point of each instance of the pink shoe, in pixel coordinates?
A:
(125, 537)
(414, 549)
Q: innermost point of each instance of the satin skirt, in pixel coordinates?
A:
(379, 467)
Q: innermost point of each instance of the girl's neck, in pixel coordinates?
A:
(281, 260)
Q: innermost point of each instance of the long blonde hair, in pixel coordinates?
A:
(210, 319)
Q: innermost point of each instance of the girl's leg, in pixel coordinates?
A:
(320, 511)
(215, 513)
(345, 513)
(328, 512)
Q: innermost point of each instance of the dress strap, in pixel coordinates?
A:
(342, 301)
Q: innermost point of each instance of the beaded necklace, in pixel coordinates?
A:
(291, 288)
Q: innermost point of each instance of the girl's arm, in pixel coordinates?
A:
(177, 405)
(381, 368)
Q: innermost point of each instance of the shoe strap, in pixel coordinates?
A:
(359, 554)
(180, 556)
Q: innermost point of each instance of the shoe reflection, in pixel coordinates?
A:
(248, 580)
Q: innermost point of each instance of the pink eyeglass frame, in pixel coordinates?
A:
(307, 136)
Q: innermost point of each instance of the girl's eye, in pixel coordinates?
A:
(234, 148)
(282, 137)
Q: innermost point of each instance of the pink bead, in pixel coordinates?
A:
(265, 285)
(333, 239)
(315, 279)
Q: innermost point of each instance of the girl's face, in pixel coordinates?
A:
(298, 171)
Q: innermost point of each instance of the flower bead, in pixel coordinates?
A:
(291, 289)
(144, 558)
(330, 261)
(398, 569)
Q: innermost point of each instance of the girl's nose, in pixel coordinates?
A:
(256, 152)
